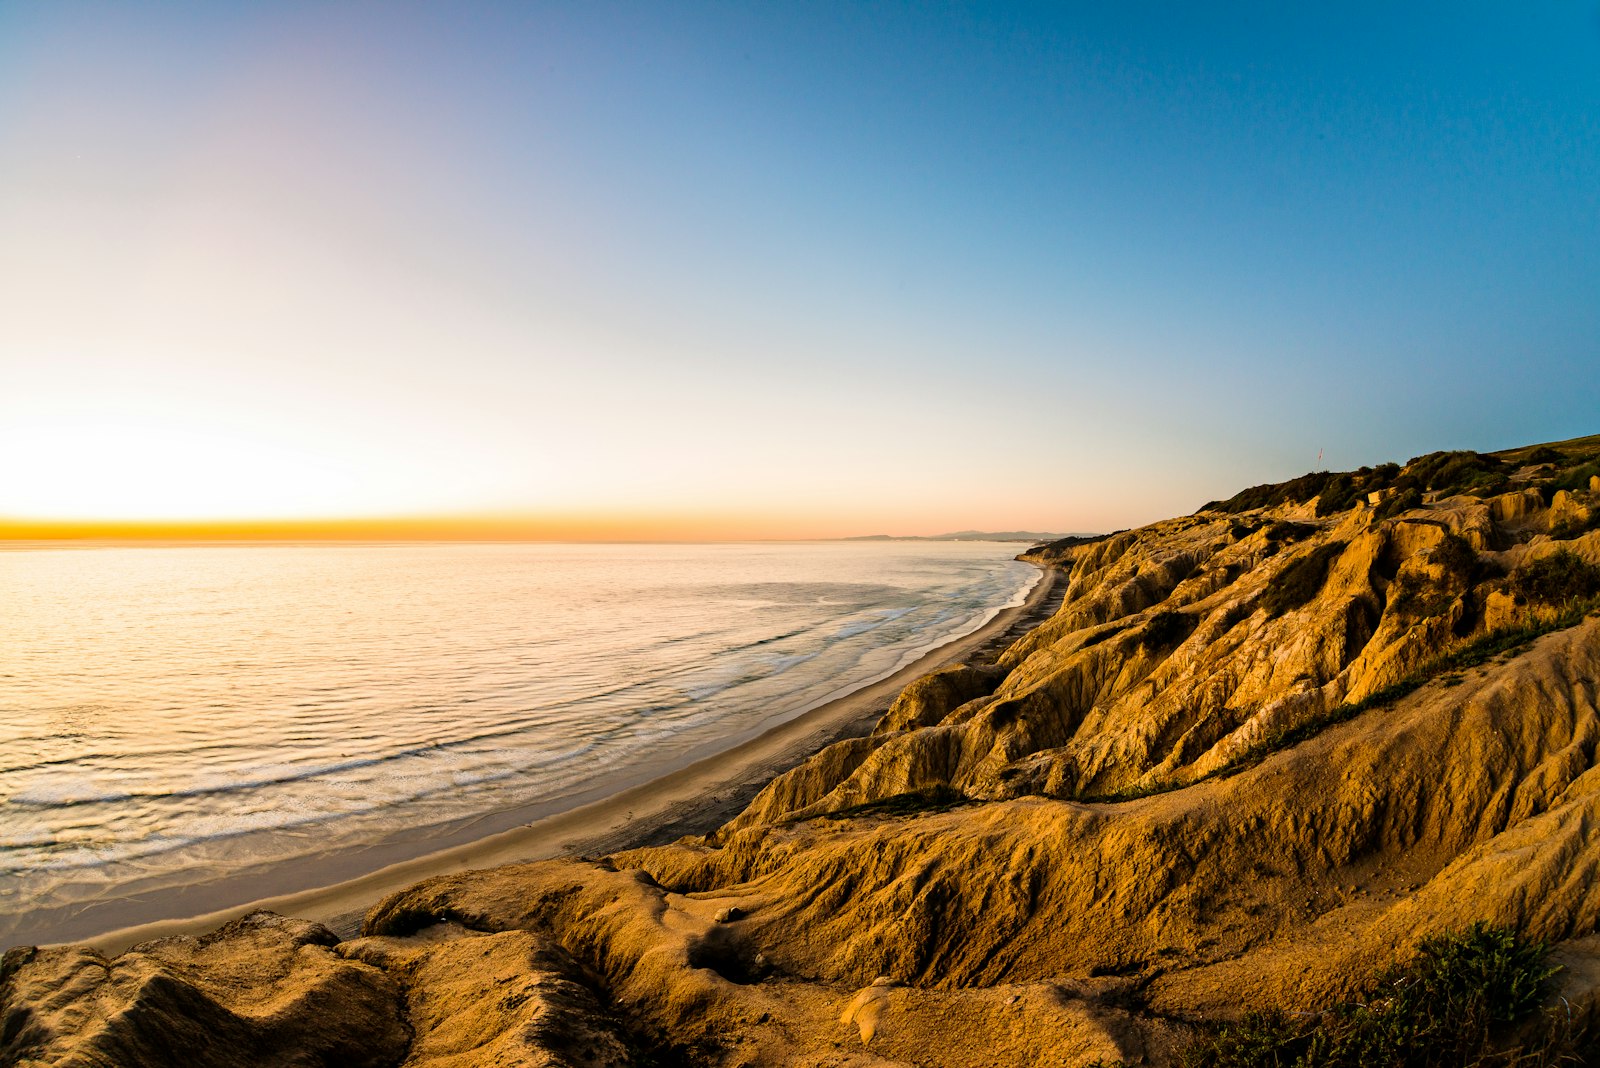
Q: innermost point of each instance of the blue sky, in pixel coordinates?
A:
(810, 269)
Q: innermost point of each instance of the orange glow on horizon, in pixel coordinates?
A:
(557, 528)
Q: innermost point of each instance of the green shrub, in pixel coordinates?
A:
(1576, 479)
(1102, 636)
(1450, 1004)
(1269, 494)
(1281, 530)
(1341, 492)
(1447, 473)
(1166, 629)
(1302, 579)
(1402, 501)
(1556, 579)
(1415, 593)
(1412, 594)
(933, 799)
(1071, 541)
(1457, 556)
(1568, 529)
(1451, 473)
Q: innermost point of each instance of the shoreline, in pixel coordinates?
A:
(694, 799)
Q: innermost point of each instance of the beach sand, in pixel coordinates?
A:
(691, 800)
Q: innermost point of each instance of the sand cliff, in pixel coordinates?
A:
(1257, 751)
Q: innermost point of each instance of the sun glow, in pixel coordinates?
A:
(128, 466)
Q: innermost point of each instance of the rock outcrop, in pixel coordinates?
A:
(261, 990)
(1258, 751)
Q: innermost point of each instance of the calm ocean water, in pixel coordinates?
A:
(173, 713)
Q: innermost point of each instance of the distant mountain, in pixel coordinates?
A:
(1004, 535)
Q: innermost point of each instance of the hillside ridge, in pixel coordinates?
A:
(1259, 752)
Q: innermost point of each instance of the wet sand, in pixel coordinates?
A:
(692, 800)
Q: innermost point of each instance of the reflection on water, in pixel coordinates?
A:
(169, 709)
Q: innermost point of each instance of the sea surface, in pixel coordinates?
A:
(169, 714)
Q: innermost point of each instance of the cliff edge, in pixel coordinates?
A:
(1260, 753)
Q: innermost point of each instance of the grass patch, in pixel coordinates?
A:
(1166, 629)
(1568, 529)
(1132, 793)
(1577, 478)
(1453, 1003)
(1282, 530)
(1302, 580)
(939, 798)
(1103, 636)
(1413, 595)
(1417, 593)
(1561, 577)
(1511, 639)
(1402, 501)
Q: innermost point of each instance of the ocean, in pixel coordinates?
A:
(169, 714)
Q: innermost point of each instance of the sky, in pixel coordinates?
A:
(729, 270)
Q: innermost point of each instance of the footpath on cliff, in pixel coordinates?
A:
(1259, 754)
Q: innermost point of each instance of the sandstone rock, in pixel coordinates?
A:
(1567, 511)
(1519, 504)
(262, 990)
(511, 998)
(1501, 611)
(929, 699)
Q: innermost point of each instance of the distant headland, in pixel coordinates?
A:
(1032, 537)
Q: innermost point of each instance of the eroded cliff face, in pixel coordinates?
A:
(1256, 752)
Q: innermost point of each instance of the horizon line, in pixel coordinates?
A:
(481, 529)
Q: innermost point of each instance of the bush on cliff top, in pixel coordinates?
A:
(1453, 1003)
(1576, 479)
(1556, 579)
(1445, 473)
(1450, 473)
(1335, 490)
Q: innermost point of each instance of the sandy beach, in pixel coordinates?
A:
(689, 800)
